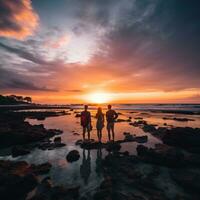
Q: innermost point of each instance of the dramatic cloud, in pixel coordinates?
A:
(58, 42)
(119, 46)
(17, 19)
(11, 80)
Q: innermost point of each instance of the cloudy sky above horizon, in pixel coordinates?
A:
(134, 50)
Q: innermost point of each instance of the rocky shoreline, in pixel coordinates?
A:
(15, 131)
(169, 171)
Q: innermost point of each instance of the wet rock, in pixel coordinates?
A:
(188, 179)
(138, 118)
(132, 112)
(102, 194)
(91, 144)
(78, 142)
(123, 120)
(138, 123)
(42, 115)
(48, 145)
(182, 137)
(141, 139)
(57, 140)
(73, 156)
(17, 178)
(149, 128)
(19, 132)
(19, 151)
(60, 192)
(55, 131)
(57, 145)
(129, 137)
(178, 119)
(126, 133)
(41, 169)
(16, 187)
(132, 138)
(128, 179)
(78, 115)
(160, 132)
(161, 155)
(45, 191)
(113, 146)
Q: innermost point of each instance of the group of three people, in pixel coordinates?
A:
(86, 124)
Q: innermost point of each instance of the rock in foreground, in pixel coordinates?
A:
(19, 178)
(73, 156)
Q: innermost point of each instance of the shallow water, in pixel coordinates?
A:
(87, 171)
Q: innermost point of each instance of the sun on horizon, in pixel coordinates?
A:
(98, 97)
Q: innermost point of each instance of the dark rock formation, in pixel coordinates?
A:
(178, 119)
(45, 191)
(123, 120)
(188, 179)
(19, 178)
(161, 155)
(138, 123)
(15, 131)
(57, 140)
(182, 137)
(149, 128)
(19, 151)
(73, 156)
(92, 144)
(42, 115)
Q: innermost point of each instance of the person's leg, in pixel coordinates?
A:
(88, 130)
(113, 132)
(84, 130)
(108, 129)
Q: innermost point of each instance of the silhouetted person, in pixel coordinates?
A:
(99, 167)
(111, 116)
(85, 168)
(100, 123)
(86, 122)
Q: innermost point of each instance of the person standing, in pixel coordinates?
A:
(111, 116)
(100, 123)
(86, 122)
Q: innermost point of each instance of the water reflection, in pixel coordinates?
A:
(99, 162)
(85, 168)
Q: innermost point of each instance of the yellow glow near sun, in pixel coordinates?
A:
(98, 97)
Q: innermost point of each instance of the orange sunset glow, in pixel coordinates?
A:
(58, 55)
(99, 99)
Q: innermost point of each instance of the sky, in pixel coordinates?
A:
(125, 51)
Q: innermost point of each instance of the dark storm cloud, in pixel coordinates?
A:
(23, 54)
(13, 80)
(145, 44)
(160, 42)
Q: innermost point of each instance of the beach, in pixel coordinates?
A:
(89, 171)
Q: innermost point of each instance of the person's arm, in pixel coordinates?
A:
(103, 118)
(116, 115)
(107, 115)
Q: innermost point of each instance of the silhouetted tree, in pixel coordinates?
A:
(28, 99)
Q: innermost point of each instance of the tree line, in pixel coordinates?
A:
(14, 99)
